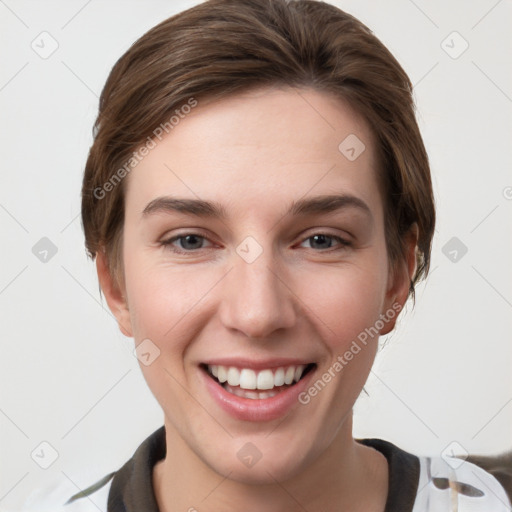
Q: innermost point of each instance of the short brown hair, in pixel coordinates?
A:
(222, 47)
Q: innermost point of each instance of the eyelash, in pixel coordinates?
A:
(169, 243)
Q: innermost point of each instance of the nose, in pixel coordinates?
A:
(257, 300)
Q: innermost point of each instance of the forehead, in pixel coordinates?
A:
(263, 146)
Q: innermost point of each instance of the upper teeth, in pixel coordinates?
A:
(249, 379)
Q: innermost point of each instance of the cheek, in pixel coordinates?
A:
(159, 302)
(344, 301)
(166, 307)
(165, 299)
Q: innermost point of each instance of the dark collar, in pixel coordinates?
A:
(132, 486)
(404, 475)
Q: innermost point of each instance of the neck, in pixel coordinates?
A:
(346, 476)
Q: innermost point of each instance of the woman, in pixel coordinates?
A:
(259, 203)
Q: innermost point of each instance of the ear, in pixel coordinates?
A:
(399, 281)
(114, 295)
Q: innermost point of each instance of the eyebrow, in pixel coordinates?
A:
(207, 209)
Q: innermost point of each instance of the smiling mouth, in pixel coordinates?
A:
(257, 385)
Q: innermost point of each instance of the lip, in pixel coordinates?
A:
(257, 410)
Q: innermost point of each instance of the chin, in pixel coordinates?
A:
(261, 473)
(252, 466)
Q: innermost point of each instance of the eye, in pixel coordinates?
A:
(185, 243)
(191, 242)
(325, 241)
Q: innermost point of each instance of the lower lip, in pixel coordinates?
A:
(248, 409)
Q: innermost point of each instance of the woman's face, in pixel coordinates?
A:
(254, 243)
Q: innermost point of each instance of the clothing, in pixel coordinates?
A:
(416, 484)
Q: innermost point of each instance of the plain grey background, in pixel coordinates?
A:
(69, 377)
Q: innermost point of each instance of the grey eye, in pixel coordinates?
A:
(191, 241)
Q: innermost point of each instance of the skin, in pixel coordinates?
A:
(255, 153)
